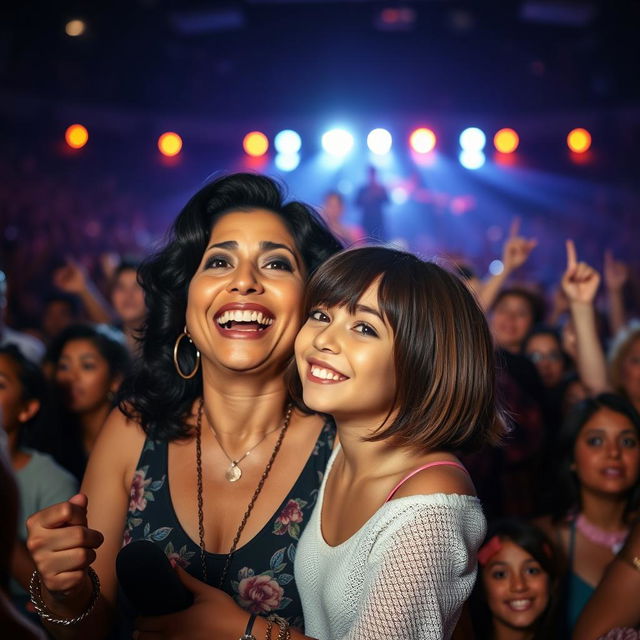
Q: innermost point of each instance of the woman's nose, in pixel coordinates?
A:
(245, 279)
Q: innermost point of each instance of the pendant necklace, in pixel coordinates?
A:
(234, 473)
(283, 429)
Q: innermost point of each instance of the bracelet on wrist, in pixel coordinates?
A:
(269, 628)
(35, 592)
(284, 633)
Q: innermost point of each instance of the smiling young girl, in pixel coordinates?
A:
(516, 594)
(398, 352)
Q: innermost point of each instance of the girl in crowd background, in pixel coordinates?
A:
(127, 299)
(595, 492)
(624, 364)
(562, 386)
(207, 413)
(13, 624)
(88, 364)
(41, 482)
(516, 594)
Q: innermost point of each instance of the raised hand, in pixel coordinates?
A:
(71, 278)
(517, 248)
(62, 545)
(615, 272)
(580, 281)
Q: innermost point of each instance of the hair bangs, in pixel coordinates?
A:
(342, 282)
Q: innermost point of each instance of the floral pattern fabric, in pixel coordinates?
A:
(261, 573)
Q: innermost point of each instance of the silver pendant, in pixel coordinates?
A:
(233, 473)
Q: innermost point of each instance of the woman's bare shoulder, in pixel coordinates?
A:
(117, 448)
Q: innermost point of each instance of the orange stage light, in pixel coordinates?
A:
(579, 140)
(506, 140)
(255, 144)
(76, 136)
(170, 144)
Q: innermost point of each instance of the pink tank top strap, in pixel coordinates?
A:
(439, 463)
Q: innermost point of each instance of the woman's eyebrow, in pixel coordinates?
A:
(228, 244)
(267, 245)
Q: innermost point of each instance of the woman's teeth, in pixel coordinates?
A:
(325, 374)
(239, 315)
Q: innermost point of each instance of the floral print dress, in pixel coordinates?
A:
(260, 577)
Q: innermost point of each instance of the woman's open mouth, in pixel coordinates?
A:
(243, 320)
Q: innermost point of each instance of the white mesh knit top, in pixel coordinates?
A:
(403, 575)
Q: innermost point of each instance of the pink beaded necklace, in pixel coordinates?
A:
(611, 539)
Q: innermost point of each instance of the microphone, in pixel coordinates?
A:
(148, 580)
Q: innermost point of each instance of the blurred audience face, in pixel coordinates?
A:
(545, 352)
(516, 587)
(511, 320)
(630, 377)
(57, 315)
(607, 454)
(127, 298)
(84, 376)
(12, 404)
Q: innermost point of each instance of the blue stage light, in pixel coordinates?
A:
(472, 159)
(337, 142)
(287, 141)
(379, 141)
(473, 139)
(287, 161)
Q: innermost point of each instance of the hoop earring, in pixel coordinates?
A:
(185, 334)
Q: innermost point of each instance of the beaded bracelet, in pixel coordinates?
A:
(284, 633)
(35, 592)
(269, 628)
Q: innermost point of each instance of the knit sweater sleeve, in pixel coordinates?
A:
(422, 568)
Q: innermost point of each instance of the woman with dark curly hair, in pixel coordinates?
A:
(595, 492)
(207, 458)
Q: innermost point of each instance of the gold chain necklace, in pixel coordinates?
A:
(256, 493)
(234, 472)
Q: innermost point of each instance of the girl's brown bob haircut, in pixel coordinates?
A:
(443, 351)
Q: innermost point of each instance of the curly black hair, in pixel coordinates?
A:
(155, 395)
